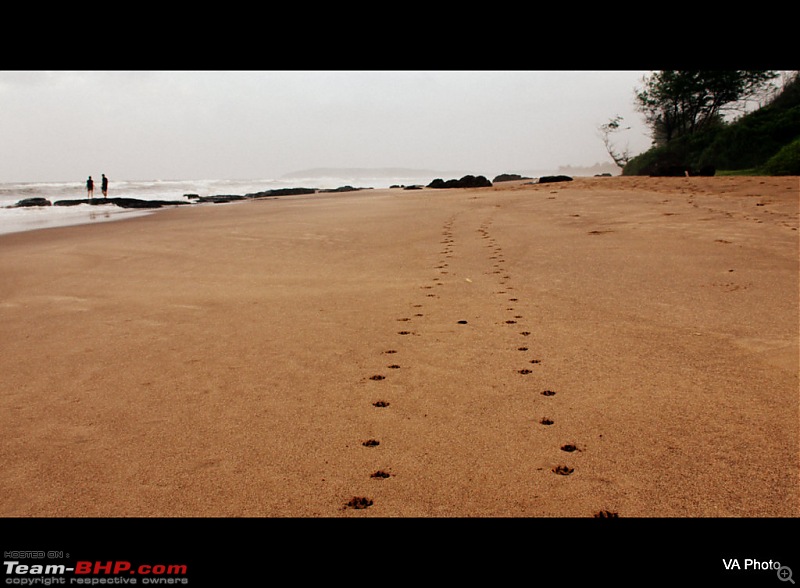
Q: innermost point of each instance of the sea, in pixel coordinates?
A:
(17, 219)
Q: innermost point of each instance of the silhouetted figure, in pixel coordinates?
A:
(104, 186)
(90, 187)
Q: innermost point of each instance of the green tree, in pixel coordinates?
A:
(679, 103)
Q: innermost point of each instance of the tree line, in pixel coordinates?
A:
(684, 109)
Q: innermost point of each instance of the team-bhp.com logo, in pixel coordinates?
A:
(94, 573)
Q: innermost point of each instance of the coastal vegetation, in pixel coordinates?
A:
(689, 116)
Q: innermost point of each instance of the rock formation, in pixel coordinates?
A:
(465, 182)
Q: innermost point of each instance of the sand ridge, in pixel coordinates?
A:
(604, 347)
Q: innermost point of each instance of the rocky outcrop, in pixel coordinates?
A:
(344, 189)
(191, 199)
(219, 199)
(467, 181)
(282, 192)
(29, 202)
(509, 178)
(549, 179)
(121, 202)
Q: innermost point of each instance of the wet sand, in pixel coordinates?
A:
(609, 346)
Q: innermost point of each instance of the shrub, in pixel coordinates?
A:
(785, 162)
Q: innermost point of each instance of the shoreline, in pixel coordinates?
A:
(524, 350)
(78, 211)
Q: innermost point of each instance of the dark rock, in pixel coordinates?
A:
(707, 171)
(343, 189)
(550, 179)
(509, 178)
(220, 199)
(413, 187)
(224, 198)
(282, 192)
(121, 202)
(28, 202)
(467, 181)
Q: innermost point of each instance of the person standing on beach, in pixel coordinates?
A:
(104, 186)
(90, 187)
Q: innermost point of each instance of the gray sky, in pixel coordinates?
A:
(144, 125)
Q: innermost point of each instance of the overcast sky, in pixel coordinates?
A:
(144, 125)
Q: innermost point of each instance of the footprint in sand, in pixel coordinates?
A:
(380, 404)
(359, 502)
(371, 443)
(563, 470)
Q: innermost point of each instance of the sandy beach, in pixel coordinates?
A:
(608, 346)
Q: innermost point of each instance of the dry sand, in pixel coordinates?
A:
(225, 361)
